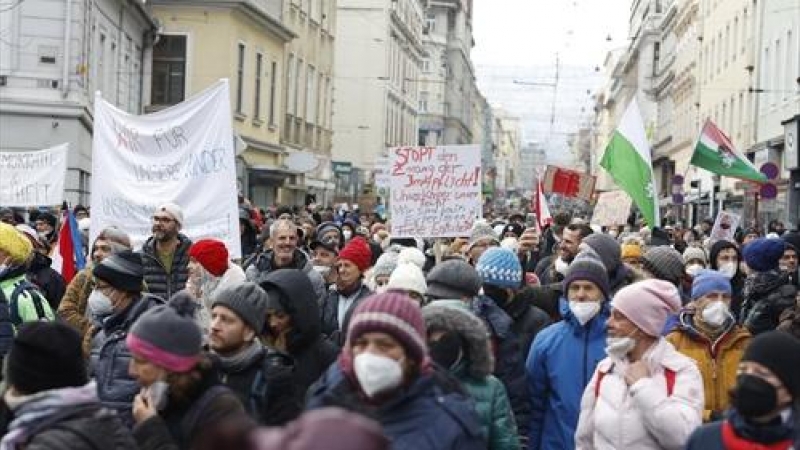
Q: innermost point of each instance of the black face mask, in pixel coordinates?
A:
(498, 294)
(446, 351)
(754, 397)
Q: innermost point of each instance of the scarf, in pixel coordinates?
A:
(36, 411)
(243, 359)
(762, 283)
(738, 433)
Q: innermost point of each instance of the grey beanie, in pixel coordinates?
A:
(386, 264)
(482, 230)
(607, 248)
(453, 279)
(587, 266)
(247, 300)
(168, 335)
(694, 253)
(665, 263)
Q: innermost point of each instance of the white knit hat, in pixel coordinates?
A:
(409, 277)
(411, 255)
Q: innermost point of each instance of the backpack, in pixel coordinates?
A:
(10, 318)
(669, 374)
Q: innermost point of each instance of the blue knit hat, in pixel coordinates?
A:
(500, 267)
(763, 254)
(707, 281)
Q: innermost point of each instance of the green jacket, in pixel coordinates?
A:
(25, 304)
(494, 409)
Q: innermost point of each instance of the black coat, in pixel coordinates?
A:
(528, 322)
(84, 427)
(50, 283)
(311, 351)
(330, 312)
(159, 282)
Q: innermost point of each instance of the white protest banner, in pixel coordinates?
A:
(183, 154)
(612, 209)
(33, 178)
(435, 191)
(725, 226)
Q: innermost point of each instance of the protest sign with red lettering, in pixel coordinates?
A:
(435, 191)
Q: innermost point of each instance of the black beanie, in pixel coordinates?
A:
(123, 271)
(779, 352)
(44, 356)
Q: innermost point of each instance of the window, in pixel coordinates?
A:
(259, 68)
(273, 75)
(423, 102)
(311, 94)
(240, 78)
(430, 24)
(789, 65)
(298, 86)
(656, 57)
(169, 70)
(776, 75)
(291, 80)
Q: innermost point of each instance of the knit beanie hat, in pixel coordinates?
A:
(453, 279)
(247, 300)
(168, 335)
(123, 271)
(45, 355)
(386, 264)
(211, 254)
(118, 239)
(707, 281)
(48, 218)
(172, 210)
(607, 248)
(763, 254)
(587, 266)
(17, 246)
(514, 228)
(325, 227)
(395, 314)
(793, 239)
(500, 267)
(407, 276)
(357, 251)
(665, 263)
(648, 304)
(779, 352)
(631, 250)
(481, 230)
(694, 253)
(411, 255)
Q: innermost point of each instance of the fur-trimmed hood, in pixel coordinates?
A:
(453, 316)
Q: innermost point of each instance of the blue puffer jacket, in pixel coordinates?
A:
(559, 366)
(110, 358)
(424, 416)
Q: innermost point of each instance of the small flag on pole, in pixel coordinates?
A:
(627, 159)
(715, 152)
(543, 217)
(70, 246)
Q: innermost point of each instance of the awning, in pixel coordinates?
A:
(263, 146)
(270, 175)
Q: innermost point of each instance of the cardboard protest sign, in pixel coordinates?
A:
(435, 191)
(33, 178)
(612, 209)
(725, 226)
(183, 154)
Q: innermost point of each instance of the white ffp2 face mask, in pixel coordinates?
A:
(619, 347)
(728, 269)
(715, 313)
(100, 304)
(584, 311)
(693, 269)
(376, 373)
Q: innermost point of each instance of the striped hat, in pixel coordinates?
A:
(500, 267)
(395, 314)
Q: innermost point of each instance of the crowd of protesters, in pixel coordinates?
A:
(330, 333)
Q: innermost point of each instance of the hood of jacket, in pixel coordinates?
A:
(686, 324)
(444, 316)
(39, 262)
(299, 300)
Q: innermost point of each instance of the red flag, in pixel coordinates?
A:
(67, 250)
(543, 217)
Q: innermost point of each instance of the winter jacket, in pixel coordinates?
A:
(559, 366)
(265, 388)
(263, 264)
(422, 416)
(545, 297)
(72, 308)
(744, 434)
(766, 296)
(26, 305)
(546, 271)
(474, 372)
(110, 358)
(642, 416)
(718, 361)
(528, 320)
(509, 365)
(312, 353)
(211, 418)
(161, 282)
(81, 427)
(329, 314)
(790, 320)
(50, 282)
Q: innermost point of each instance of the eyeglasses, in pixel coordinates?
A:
(161, 219)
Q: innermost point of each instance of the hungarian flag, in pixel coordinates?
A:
(543, 217)
(627, 160)
(70, 246)
(715, 153)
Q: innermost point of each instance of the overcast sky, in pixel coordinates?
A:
(531, 32)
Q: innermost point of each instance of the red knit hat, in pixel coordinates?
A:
(357, 251)
(211, 254)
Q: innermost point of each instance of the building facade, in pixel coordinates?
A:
(244, 41)
(378, 58)
(53, 57)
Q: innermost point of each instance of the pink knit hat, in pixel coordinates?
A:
(648, 304)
